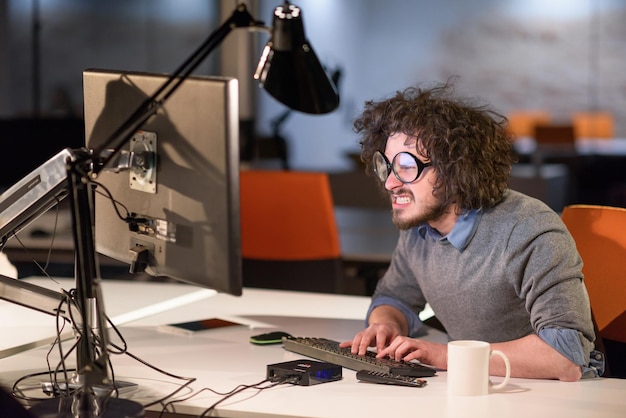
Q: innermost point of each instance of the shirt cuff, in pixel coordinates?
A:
(567, 342)
(412, 318)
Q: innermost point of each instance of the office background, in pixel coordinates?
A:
(560, 55)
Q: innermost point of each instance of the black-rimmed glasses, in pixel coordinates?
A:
(405, 166)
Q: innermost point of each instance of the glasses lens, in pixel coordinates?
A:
(405, 167)
(381, 166)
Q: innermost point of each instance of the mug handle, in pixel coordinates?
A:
(508, 370)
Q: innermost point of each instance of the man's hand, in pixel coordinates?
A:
(405, 348)
(376, 335)
(385, 324)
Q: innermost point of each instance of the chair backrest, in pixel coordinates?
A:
(289, 235)
(555, 135)
(594, 124)
(522, 122)
(287, 215)
(600, 235)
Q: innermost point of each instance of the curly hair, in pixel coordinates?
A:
(468, 145)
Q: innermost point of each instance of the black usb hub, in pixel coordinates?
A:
(304, 372)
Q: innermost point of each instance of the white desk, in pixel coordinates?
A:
(223, 358)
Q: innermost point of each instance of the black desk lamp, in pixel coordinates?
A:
(289, 71)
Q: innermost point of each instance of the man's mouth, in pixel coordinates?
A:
(401, 197)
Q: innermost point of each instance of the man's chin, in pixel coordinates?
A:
(403, 222)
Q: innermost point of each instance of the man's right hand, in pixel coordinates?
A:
(378, 335)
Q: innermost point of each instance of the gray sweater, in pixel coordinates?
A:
(518, 274)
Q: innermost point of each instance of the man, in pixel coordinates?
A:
(493, 264)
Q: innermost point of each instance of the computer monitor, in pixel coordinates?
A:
(185, 209)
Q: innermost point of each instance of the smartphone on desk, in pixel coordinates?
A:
(191, 327)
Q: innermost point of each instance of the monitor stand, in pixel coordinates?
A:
(62, 408)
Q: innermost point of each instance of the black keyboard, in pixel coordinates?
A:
(329, 351)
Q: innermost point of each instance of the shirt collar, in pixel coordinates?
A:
(461, 233)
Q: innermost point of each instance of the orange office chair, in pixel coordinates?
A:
(289, 237)
(522, 123)
(593, 125)
(600, 235)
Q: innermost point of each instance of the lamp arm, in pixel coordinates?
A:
(240, 18)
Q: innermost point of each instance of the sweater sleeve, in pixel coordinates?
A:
(551, 284)
(413, 320)
(398, 287)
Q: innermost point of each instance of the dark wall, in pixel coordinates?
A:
(26, 143)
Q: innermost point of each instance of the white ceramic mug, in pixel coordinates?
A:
(468, 368)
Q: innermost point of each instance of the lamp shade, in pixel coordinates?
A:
(290, 71)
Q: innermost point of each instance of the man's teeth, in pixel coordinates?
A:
(402, 200)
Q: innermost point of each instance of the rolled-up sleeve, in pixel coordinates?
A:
(413, 320)
(569, 343)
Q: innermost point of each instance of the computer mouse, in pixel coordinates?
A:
(275, 337)
(39, 233)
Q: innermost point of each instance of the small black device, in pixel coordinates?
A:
(274, 337)
(191, 327)
(304, 372)
(389, 379)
